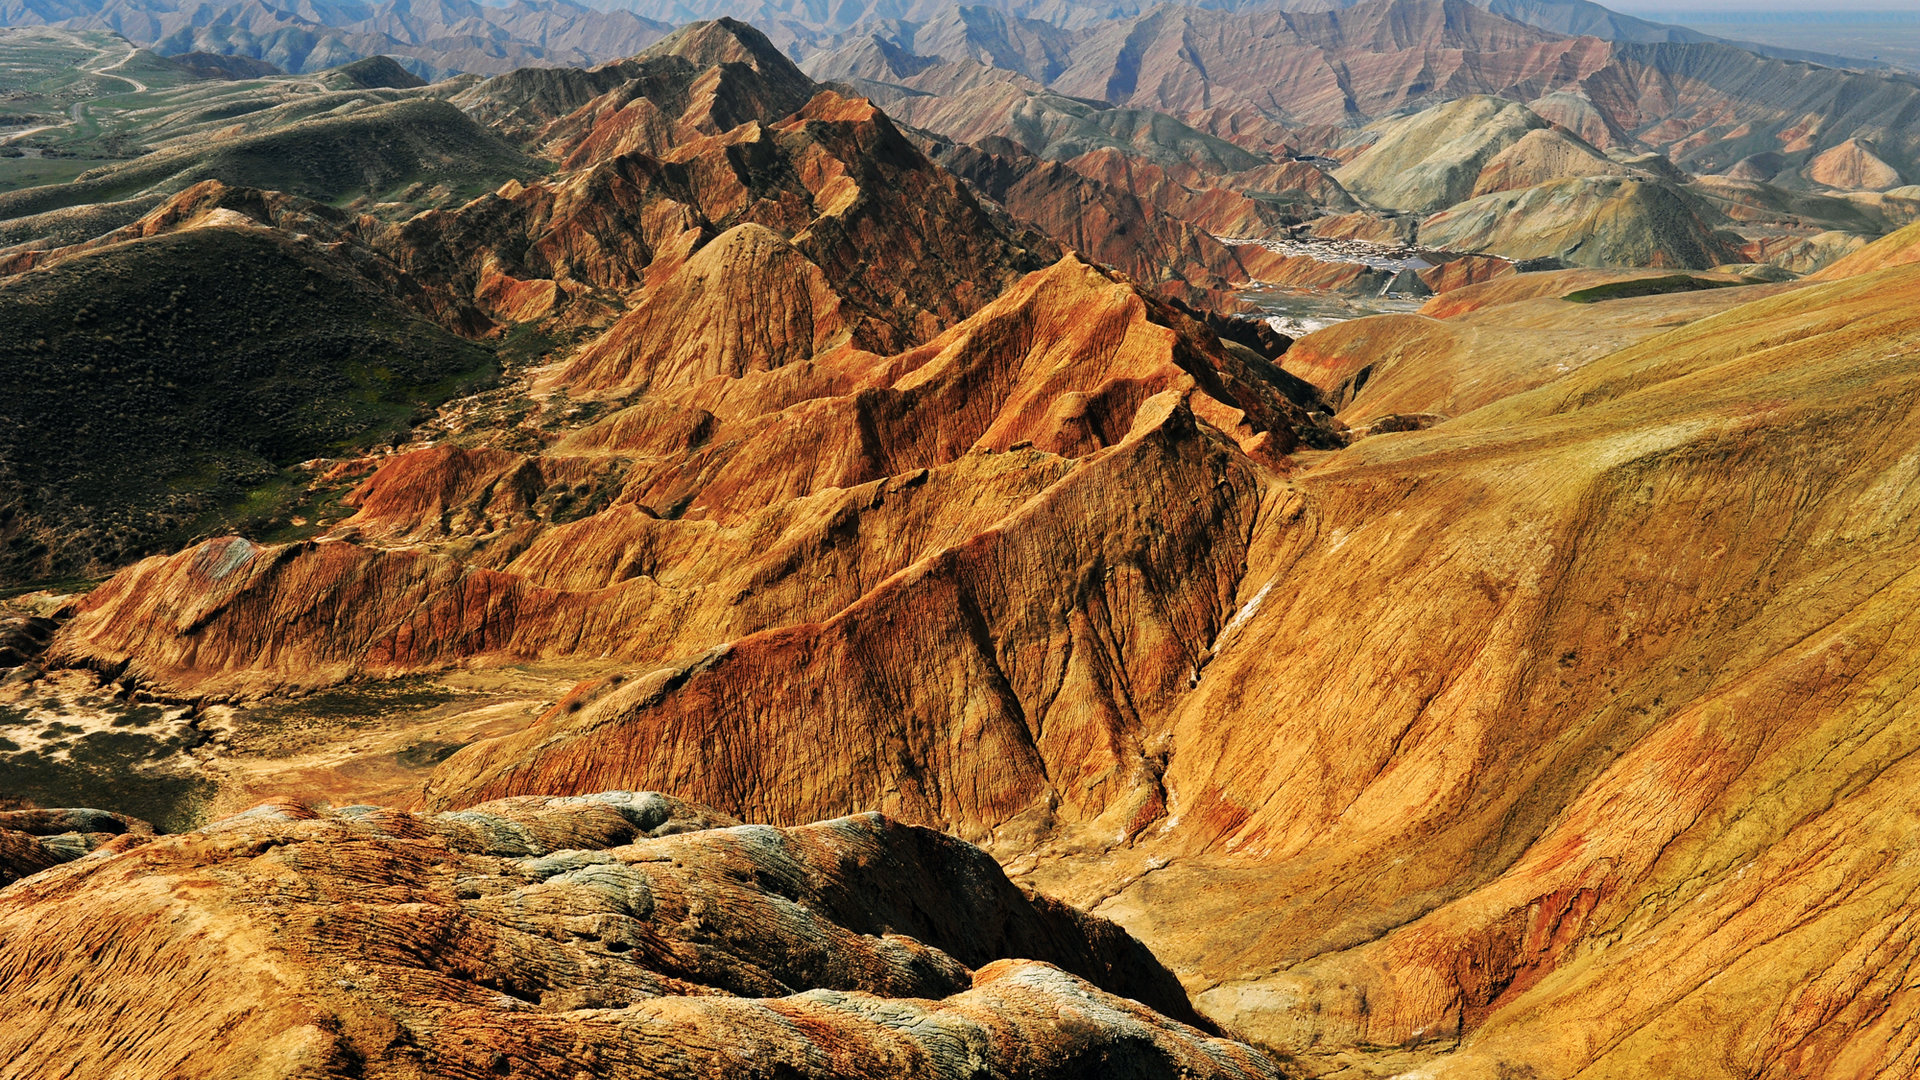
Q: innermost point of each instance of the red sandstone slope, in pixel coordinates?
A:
(1107, 223)
(1552, 756)
(835, 178)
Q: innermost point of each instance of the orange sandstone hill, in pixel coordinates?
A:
(1516, 688)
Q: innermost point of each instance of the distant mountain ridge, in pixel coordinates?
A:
(432, 38)
(1582, 17)
(1270, 78)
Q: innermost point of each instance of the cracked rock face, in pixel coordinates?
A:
(616, 934)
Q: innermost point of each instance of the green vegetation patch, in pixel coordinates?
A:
(158, 389)
(1658, 286)
(299, 725)
(376, 151)
(26, 172)
(131, 758)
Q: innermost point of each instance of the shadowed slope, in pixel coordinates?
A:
(1588, 221)
(376, 149)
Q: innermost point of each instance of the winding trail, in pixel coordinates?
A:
(76, 113)
(24, 132)
(138, 86)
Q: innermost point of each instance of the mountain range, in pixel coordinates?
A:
(708, 565)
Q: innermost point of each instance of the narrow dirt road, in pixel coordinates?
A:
(138, 86)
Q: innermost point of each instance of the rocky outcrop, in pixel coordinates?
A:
(35, 840)
(704, 79)
(836, 179)
(630, 934)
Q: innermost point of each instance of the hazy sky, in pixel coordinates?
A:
(1641, 7)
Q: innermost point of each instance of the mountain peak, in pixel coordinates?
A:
(721, 41)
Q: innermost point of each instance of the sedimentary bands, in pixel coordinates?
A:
(668, 570)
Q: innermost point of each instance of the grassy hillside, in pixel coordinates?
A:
(374, 152)
(158, 388)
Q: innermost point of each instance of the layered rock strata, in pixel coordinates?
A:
(617, 934)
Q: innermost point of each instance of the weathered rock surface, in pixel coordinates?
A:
(747, 301)
(835, 178)
(619, 934)
(34, 840)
